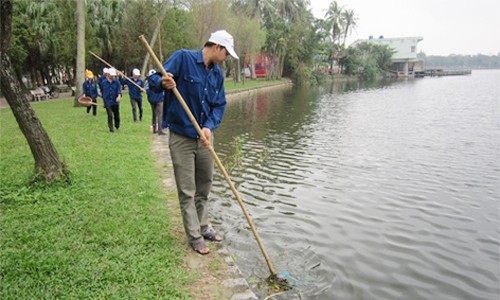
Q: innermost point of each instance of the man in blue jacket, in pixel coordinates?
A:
(111, 94)
(135, 93)
(199, 79)
(89, 89)
(156, 101)
(103, 77)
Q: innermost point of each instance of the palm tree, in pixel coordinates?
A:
(349, 20)
(105, 19)
(36, 21)
(334, 16)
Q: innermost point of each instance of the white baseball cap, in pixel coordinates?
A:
(136, 72)
(112, 72)
(224, 39)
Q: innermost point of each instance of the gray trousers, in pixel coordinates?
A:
(193, 171)
(135, 103)
(157, 109)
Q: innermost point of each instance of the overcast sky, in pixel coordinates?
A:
(447, 26)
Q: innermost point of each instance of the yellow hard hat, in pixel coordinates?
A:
(89, 73)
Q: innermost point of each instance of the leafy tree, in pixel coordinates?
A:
(105, 20)
(250, 37)
(349, 23)
(366, 60)
(154, 37)
(210, 16)
(34, 33)
(340, 22)
(177, 31)
(129, 51)
(48, 167)
(288, 30)
(65, 58)
(335, 22)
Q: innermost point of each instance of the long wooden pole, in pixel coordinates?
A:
(215, 157)
(109, 65)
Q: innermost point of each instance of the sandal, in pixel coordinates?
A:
(200, 248)
(213, 236)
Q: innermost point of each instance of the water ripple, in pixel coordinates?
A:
(384, 192)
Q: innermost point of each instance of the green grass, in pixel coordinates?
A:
(105, 234)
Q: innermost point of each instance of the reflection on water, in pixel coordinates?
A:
(382, 191)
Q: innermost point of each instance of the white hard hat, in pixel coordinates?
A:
(151, 72)
(224, 39)
(136, 72)
(112, 72)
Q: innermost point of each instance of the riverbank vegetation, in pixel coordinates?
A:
(478, 61)
(296, 44)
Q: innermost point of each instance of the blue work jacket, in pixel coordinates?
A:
(202, 89)
(133, 91)
(153, 97)
(110, 91)
(90, 89)
(100, 81)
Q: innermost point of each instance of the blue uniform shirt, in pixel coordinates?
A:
(153, 97)
(100, 81)
(202, 89)
(90, 89)
(110, 91)
(134, 91)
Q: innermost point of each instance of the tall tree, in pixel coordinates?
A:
(106, 19)
(210, 16)
(48, 166)
(334, 16)
(163, 12)
(80, 49)
(349, 21)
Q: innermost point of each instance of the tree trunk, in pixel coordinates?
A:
(80, 50)
(48, 166)
(252, 67)
(163, 12)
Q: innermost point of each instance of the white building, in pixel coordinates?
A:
(404, 60)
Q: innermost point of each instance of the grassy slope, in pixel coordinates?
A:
(231, 86)
(106, 234)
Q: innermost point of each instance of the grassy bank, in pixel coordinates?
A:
(107, 233)
(232, 86)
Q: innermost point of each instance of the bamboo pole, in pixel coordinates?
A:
(215, 157)
(125, 76)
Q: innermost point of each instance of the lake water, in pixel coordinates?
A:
(383, 191)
